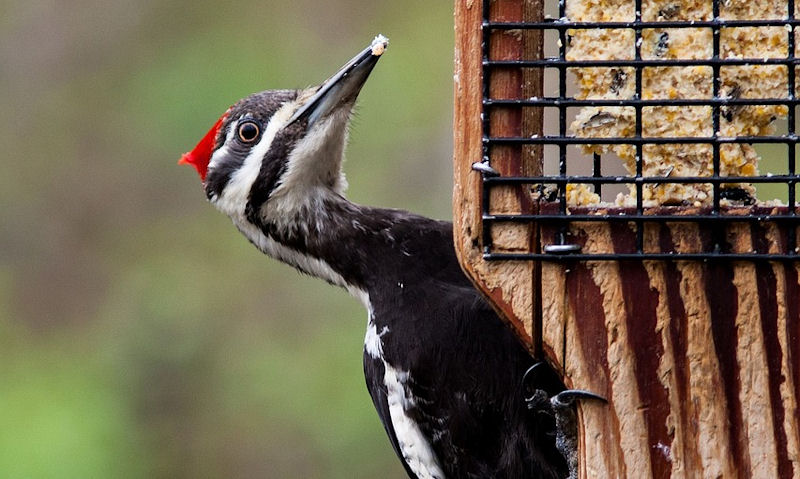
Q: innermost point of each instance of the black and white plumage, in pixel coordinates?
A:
(444, 372)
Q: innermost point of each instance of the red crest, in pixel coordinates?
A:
(201, 154)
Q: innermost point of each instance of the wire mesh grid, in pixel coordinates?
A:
(725, 198)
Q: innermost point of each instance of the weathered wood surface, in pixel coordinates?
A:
(510, 285)
(700, 361)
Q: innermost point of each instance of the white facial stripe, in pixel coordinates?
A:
(222, 151)
(233, 199)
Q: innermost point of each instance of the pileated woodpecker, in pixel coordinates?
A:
(444, 372)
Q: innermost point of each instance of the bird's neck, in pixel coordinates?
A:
(321, 235)
(357, 247)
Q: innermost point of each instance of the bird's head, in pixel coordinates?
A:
(281, 150)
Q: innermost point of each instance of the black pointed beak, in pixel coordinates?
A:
(343, 87)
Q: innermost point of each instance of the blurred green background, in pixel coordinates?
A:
(141, 334)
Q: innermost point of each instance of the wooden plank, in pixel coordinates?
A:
(699, 361)
(509, 285)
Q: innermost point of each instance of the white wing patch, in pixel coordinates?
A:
(373, 344)
(414, 446)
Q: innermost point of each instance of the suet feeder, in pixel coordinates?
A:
(626, 194)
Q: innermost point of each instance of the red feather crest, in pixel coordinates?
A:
(201, 154)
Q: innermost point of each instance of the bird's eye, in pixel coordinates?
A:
(248, 131)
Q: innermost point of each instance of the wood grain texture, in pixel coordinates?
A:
(698, 360)
(509, 285)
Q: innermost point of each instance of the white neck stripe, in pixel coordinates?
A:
(233, 198)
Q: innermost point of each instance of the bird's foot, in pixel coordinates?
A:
(555, 411)
(539, 397)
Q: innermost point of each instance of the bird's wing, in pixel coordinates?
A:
(447, 392)
(374, 372)
(466, 388)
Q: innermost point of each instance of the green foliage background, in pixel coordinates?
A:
(140, 334)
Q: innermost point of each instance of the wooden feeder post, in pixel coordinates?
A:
(699, 360)
(509, 285)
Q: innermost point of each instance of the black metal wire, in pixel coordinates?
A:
(558, 24)
(710, 256)
(486, 157)
(622, 180)
(638, 110)
(630, 140)
(714, 215)
(562, 117)
(557, 62)
(792, 239)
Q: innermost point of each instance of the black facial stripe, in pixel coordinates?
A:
(260, 107)
(272, 169)
(221, 174)
(238, 151)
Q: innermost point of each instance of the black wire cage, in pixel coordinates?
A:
(655, 114)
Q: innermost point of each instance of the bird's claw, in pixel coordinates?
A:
(538, 396)
(568, 397)
(563, 399)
